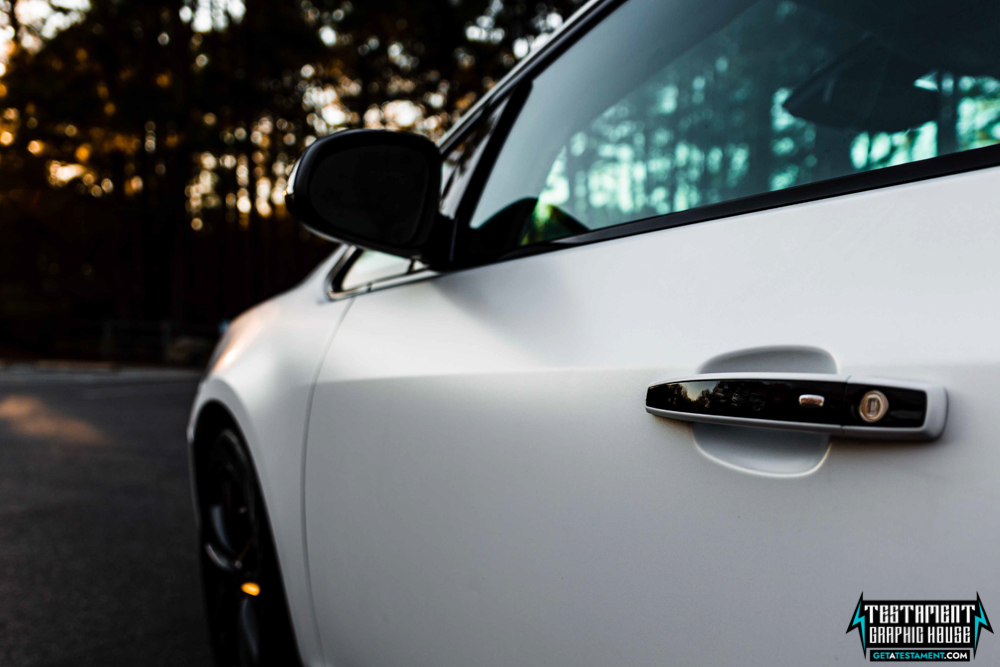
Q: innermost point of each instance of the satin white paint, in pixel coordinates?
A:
(483, 486)
(263, 374)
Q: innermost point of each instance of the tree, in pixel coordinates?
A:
(145, 146)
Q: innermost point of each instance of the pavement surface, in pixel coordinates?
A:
(97, 547)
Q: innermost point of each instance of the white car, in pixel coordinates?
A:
(686, 336)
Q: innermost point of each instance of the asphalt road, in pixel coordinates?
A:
(97, 549)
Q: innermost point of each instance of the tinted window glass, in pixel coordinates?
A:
(666, 106)
(461, 161)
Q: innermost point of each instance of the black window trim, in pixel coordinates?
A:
(876, 179)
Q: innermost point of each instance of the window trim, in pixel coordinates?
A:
(335, 278)
(876, 179)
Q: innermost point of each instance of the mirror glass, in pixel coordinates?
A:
(375, 192)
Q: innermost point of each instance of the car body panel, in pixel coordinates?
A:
(262, 374)
(483, 484)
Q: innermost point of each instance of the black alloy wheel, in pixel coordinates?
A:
(248, 617)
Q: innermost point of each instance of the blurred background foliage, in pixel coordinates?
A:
(145, 146)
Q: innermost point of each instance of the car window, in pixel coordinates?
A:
(667, 106)
(460, 162)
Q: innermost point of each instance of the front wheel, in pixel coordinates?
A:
(248, 619)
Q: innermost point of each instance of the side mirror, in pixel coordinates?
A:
(867, 89)
(371, 188)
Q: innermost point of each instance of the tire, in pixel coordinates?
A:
(248, 627)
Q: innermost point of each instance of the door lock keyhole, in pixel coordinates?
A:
(874, 405)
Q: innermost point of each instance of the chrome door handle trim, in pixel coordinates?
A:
(831, 403)
(812, 400)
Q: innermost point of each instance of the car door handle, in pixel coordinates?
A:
(841, 405)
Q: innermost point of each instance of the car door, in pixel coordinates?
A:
(686, 190)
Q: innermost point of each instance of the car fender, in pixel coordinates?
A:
(262, 375)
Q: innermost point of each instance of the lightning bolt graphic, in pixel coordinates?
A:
(980, 622)
(859, 622)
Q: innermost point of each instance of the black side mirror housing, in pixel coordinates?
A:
(371, 188)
